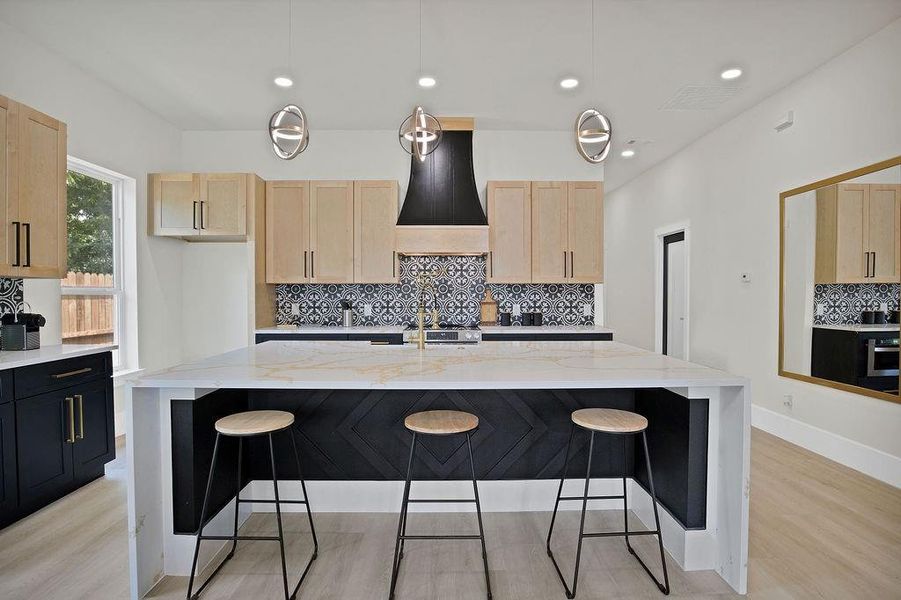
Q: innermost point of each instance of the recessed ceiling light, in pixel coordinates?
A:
(733, 73)
(569, 83)
(427, 81)
(283, 81)
(627, 153)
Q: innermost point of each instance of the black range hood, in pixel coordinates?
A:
(442, 213)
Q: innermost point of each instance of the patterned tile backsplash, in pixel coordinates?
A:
(10, 294)
(459, 287)
(842, 303)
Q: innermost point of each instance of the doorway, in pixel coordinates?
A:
(674, 285)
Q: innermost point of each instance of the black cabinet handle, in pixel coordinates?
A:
(18, 243)
(312, 263)
(873, 272)
(201, 214)
(27, 227)
(304, 263)
(564, 264)
(572, 266)
(194, 216)
(491, 262)
(393, 262)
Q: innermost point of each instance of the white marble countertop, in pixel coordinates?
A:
(388, 329)
(498, 365)
(861, 328)
(11, 359)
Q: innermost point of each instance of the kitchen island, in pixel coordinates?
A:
(350, 397)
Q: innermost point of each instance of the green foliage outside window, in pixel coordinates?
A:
(90, 222)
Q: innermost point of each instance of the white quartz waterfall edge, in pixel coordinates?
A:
(154, 551)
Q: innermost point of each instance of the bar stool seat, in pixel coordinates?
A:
(609, 420)
(441, 422)
(254, 422)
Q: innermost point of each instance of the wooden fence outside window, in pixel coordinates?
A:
(87, 319)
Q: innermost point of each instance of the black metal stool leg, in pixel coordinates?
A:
(237, 500)
(278, 518)
(664, 587)
(306, 500)
(475, 489)
(401, 523)
(625, 498)
(582, 521)
(206, 498)
(550, 531)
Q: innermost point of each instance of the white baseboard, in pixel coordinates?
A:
(870, 461)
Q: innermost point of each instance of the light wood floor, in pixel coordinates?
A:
(818, 530)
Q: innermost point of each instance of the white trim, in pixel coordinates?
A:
(869, 461)
(659, 234)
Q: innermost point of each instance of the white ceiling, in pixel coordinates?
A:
(209, 64)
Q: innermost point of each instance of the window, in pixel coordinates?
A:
(93, 294)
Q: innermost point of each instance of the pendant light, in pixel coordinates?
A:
(288, 127)
(420, 133)
(592, 129)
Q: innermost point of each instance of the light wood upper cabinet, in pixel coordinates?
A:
(33, 197)
(331, 231)
(549, 232)
(223, 204)
(585, 231)
(175, 198)
(509, 232)
(858, 235)
(201, 206)
(375, 215)
(287, 231)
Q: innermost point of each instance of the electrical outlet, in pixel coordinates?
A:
(517, 310)
(586, 309)
(367, 310)
(295, 309)
(788, 402)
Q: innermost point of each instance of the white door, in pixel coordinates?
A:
(675, 317)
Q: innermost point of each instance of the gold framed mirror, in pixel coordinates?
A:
(840, 281)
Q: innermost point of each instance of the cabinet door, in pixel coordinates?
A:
(287, 231)
(509, 231)
(375, 216)
(850, 242)
(223, 204)
(9, 212)
(331, 232)
(44, 439)
(175, 198)
(8, 481)
(549, 246)
(41, 193)
(94, 421)
(883, 233)
(585, 231)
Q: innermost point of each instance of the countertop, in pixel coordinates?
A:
(11, 359)
(861, 328)
(498, 365)
(389, 329)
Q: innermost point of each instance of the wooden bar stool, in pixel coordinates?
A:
(438, 422)
(241, 425)
(615, 422)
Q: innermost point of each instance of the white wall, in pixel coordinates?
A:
(339, 155)
(112, 130)
(728, 183)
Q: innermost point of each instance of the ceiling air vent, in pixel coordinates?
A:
(700, 97)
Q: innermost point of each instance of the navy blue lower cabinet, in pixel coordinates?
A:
(384, 338)
(547, 337)
(57, 431)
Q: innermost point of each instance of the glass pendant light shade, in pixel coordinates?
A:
(419, 134)
(593, 133)
(288, 132)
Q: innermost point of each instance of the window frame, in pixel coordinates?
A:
(120, 330)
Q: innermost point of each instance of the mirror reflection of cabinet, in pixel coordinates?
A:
(858, 233)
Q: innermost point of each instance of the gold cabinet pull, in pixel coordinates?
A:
(80, 399)
(70, 439)
(72, 373)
